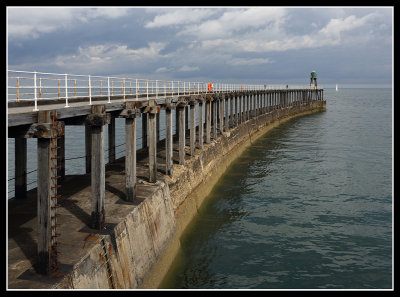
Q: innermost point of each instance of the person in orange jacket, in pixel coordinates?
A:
(209, 86)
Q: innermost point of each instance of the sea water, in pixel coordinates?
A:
(308, 206)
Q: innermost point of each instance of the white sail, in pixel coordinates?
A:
(336, 88)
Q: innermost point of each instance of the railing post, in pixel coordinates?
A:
(35, 91)
(66, 91)
(123, 88)
(108, 89)
(156, 88)
(137, 90)
(90, 92)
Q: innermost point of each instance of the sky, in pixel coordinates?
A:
(254, 44)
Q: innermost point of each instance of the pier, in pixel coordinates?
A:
(67, 220)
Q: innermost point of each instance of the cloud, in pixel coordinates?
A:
(31, 22)
(236, 20)
(179, 17)
(249, 61)
(105, 57)
(189, 68)
(336, 26)
(329, 35)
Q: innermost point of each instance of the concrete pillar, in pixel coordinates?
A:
(98, 177)
(208, 121)
(221, 115)
(214, 115)
(168, 141)
(47, 196)
(264, 105)
(253, 105)
(201, 126)
(257, 104)
(192, 129)
(181, 114)
(226, 114)
(240, 118)
(247, 107)
(235, 111)
(231, 124)
(186, 117)
(152, 147)
(20, 168)
(130, 158)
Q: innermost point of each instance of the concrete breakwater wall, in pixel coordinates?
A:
(143, 243)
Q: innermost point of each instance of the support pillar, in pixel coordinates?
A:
(240, 118)
(152, 147)
(201, 126)
(208, 121)
(96, 121)
(221, 115)
(98, 177)
(226, 114)
(247, 107)
(231, 111)
(168, 141)
(186, 117)
(181, 115)
(47, 195)
(214, 115)
(130, 158)
(192, 129)
(235, 121)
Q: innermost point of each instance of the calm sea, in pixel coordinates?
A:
(307, 206)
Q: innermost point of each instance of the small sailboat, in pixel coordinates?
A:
(336, 88)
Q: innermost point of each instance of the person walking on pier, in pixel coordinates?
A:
(313, 78)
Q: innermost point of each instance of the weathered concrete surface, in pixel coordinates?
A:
(141, 239)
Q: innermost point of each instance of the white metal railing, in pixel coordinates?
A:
(37, 86)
